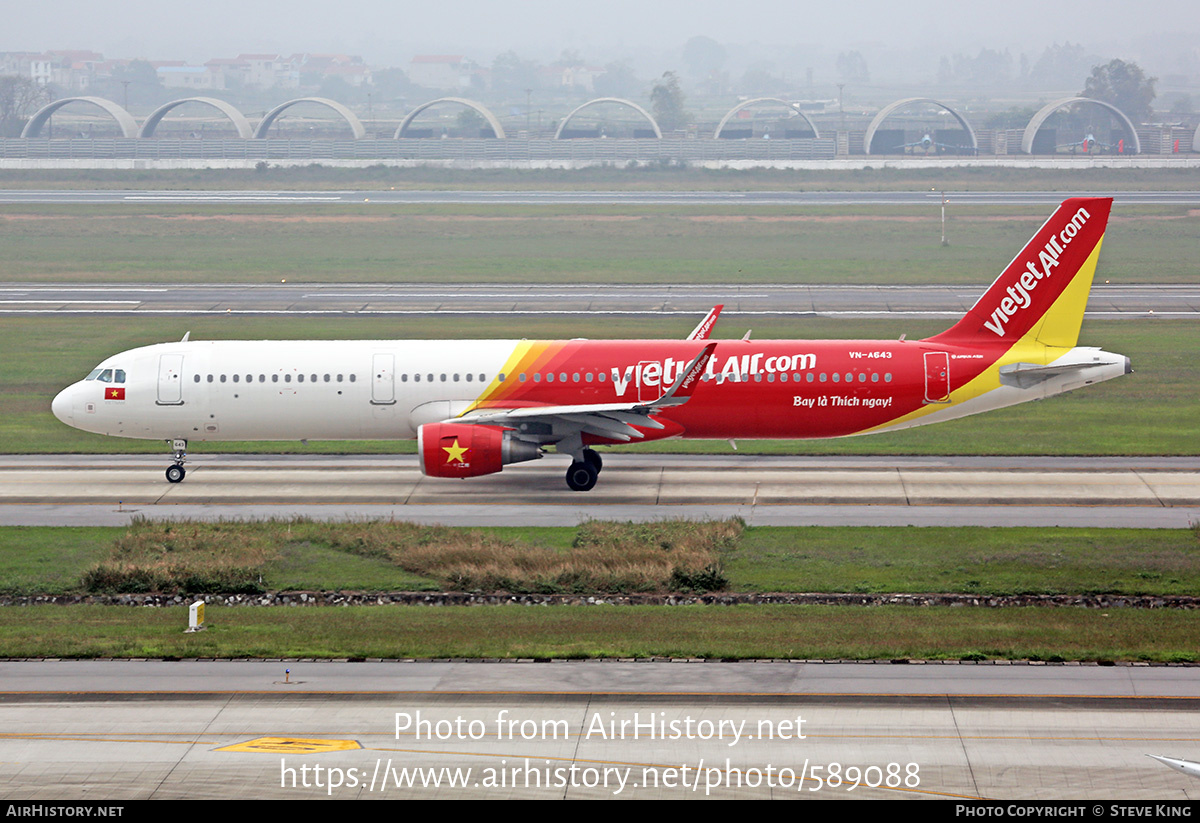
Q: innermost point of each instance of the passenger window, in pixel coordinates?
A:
(887, 378)
(522, 377)
(783, 378)
(237, 378)
(287, 378)
(222, 378)
(299, 378)
(550, 377)
(195, 378)
(352, 378)
(469, 377)
(456, 378)
(274, 378)
(404, 378)
(483, 379)
(210, 378)
(537, 377)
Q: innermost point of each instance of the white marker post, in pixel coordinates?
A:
(196, 617)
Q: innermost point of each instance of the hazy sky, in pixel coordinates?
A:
(391, 32)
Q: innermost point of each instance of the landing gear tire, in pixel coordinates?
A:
(175, 473)
(581, 477)
(592, 458)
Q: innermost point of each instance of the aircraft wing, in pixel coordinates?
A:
(610, 420)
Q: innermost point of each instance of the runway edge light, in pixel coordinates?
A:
(196, 617)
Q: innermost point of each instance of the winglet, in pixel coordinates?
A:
(688, 379)
(702, 331)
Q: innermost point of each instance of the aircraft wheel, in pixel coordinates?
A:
(592, 458)
(581, 477)
(175, 473)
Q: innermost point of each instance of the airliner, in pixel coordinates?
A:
(476, 406)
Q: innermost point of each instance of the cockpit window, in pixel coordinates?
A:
(107, 375)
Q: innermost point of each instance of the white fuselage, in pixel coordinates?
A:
(272, 390)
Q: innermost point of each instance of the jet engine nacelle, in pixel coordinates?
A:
(459, 450)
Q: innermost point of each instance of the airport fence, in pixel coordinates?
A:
(511, 152)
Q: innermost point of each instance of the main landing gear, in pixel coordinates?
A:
(176, 472)
(582, 474)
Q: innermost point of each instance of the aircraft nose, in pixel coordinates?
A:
(63, 407)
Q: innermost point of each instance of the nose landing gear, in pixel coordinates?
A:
(176, 472)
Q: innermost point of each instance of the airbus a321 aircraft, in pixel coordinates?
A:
(475, 406)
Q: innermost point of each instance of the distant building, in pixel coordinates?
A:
(349, 68)
(569, 78)
(262, 71)
(450, 72)
(190, 77)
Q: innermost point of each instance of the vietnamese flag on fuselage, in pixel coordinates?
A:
(114, 393)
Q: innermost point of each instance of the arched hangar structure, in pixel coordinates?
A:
(1044, 113)
(729, 115)
(355, 124)
(486, 113)
(128, 126)
(620, 101)
(240, 123)
(890, 108)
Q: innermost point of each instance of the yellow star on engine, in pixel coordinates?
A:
(456, 452)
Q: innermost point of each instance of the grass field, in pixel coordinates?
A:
(311, 556)
(617, 558)
(737, 632)
(561, 244)
(1152, 411)
(950, 177)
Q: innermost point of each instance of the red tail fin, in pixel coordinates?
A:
(1045, 288)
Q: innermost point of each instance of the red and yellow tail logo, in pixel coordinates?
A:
(1045, 288)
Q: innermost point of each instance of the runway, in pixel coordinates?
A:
(556, 198)
(1155, 492)
(1107, 301)
(570, 729)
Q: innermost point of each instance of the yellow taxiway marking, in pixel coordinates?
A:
(292, 745)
